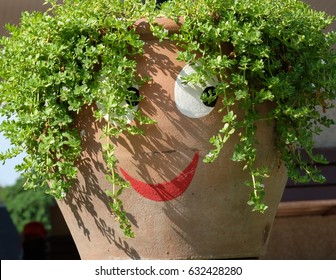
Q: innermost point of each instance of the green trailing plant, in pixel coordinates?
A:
(81, 53)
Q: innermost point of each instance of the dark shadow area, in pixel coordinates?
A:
(62, 247)
(10, 241)
(34, 242)
(311, 190)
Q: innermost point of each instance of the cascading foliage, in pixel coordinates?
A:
(81, 53)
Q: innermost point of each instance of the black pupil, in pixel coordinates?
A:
(133, 98)
(209, 96)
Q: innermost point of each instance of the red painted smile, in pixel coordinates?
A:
(167, 190)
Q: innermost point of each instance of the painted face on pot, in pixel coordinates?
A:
(163, 163)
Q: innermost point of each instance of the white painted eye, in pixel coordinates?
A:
(131, 105)
(189, 97)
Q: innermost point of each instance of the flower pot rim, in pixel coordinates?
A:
(142, 26)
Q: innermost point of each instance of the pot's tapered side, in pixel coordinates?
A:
(179, 206)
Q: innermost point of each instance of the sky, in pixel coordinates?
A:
(8, 175)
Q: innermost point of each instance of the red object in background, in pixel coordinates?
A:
(34, 229)
(34, 244)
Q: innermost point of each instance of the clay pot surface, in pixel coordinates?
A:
(180, 207)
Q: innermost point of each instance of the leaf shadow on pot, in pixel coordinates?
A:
(87, 201)
(218, 210)
(157, 58)
(167, 147)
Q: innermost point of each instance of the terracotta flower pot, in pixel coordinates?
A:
(180, 207)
